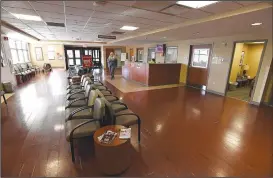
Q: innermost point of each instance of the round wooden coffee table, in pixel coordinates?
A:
(113, 158)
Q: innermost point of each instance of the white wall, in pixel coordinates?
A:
(6, 72)
(221, 59)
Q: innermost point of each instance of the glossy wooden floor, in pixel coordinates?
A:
(184, 133)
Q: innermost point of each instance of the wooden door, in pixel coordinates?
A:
(198, 69)
(108, 51)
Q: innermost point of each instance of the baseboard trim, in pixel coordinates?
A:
(215, 92)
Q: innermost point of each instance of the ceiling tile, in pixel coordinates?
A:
(60, 3)
(47, 19)
(103, 15)
(151, 5)
(124, 3)
(20, 11)
(76, 17)
(221, 7)
(47, 7)
(176, 10)
(77, 11)
(113, 8)
(80, 4)
(195, 14)
(75, 22)
(17, 4)
(51, 15)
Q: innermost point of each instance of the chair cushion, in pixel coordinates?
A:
(78, 103)
(83, 131)
(126, 120)
(118, 107)
(84, 114)
(104, 92)
(78, 95)
(110, 98)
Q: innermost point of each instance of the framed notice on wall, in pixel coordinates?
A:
(39, 54)
(123, 57)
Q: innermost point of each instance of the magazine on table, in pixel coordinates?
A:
(125, 133)
(107, 137)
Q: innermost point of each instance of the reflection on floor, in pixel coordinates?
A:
(127, 86)
(184, 133)
(241, 93)
(7, 96)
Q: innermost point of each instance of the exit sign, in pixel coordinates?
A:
(6, 38)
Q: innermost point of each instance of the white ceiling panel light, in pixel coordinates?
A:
(256, 24)
(195, 4)
(129, 28)
(27, 17)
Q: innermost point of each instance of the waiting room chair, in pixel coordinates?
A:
(82, 112)
(123, 117)
(2, 93)
(79, 128)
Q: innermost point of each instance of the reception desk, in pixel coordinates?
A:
(151, 74)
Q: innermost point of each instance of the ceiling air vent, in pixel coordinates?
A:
(117, 33)
(53, 24)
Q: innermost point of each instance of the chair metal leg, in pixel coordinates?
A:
(5, 99)
(139, 123)
(72, 151)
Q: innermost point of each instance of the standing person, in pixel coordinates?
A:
(112, 64)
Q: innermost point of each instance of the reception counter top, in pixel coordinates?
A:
(152, 74)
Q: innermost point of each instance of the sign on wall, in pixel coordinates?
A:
(87, 61)
(123, 56)
(107, 37)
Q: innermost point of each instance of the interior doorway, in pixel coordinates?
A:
(198, 69)
(246, 61)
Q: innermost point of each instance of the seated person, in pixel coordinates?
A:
(152, 61)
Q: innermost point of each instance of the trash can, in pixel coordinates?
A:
(7, 86)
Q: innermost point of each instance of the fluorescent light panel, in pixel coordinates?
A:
(257, 23)
(27, 17)
(130, 28)
(195, 4)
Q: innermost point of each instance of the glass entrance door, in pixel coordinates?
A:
(74, 57)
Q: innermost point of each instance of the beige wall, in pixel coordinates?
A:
(236, 68)
(59, 48)
(253, 58)
(222, 48)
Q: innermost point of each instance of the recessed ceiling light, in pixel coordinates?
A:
(130, 28)
(257, 23)
(195, 4)
(164, 37)
(28, 17)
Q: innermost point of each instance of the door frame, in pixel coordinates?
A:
(258, 71)
(208, 67)
(267, 84)
(137, 54)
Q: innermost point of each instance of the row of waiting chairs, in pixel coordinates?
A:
(24, 72)
(91, 105)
